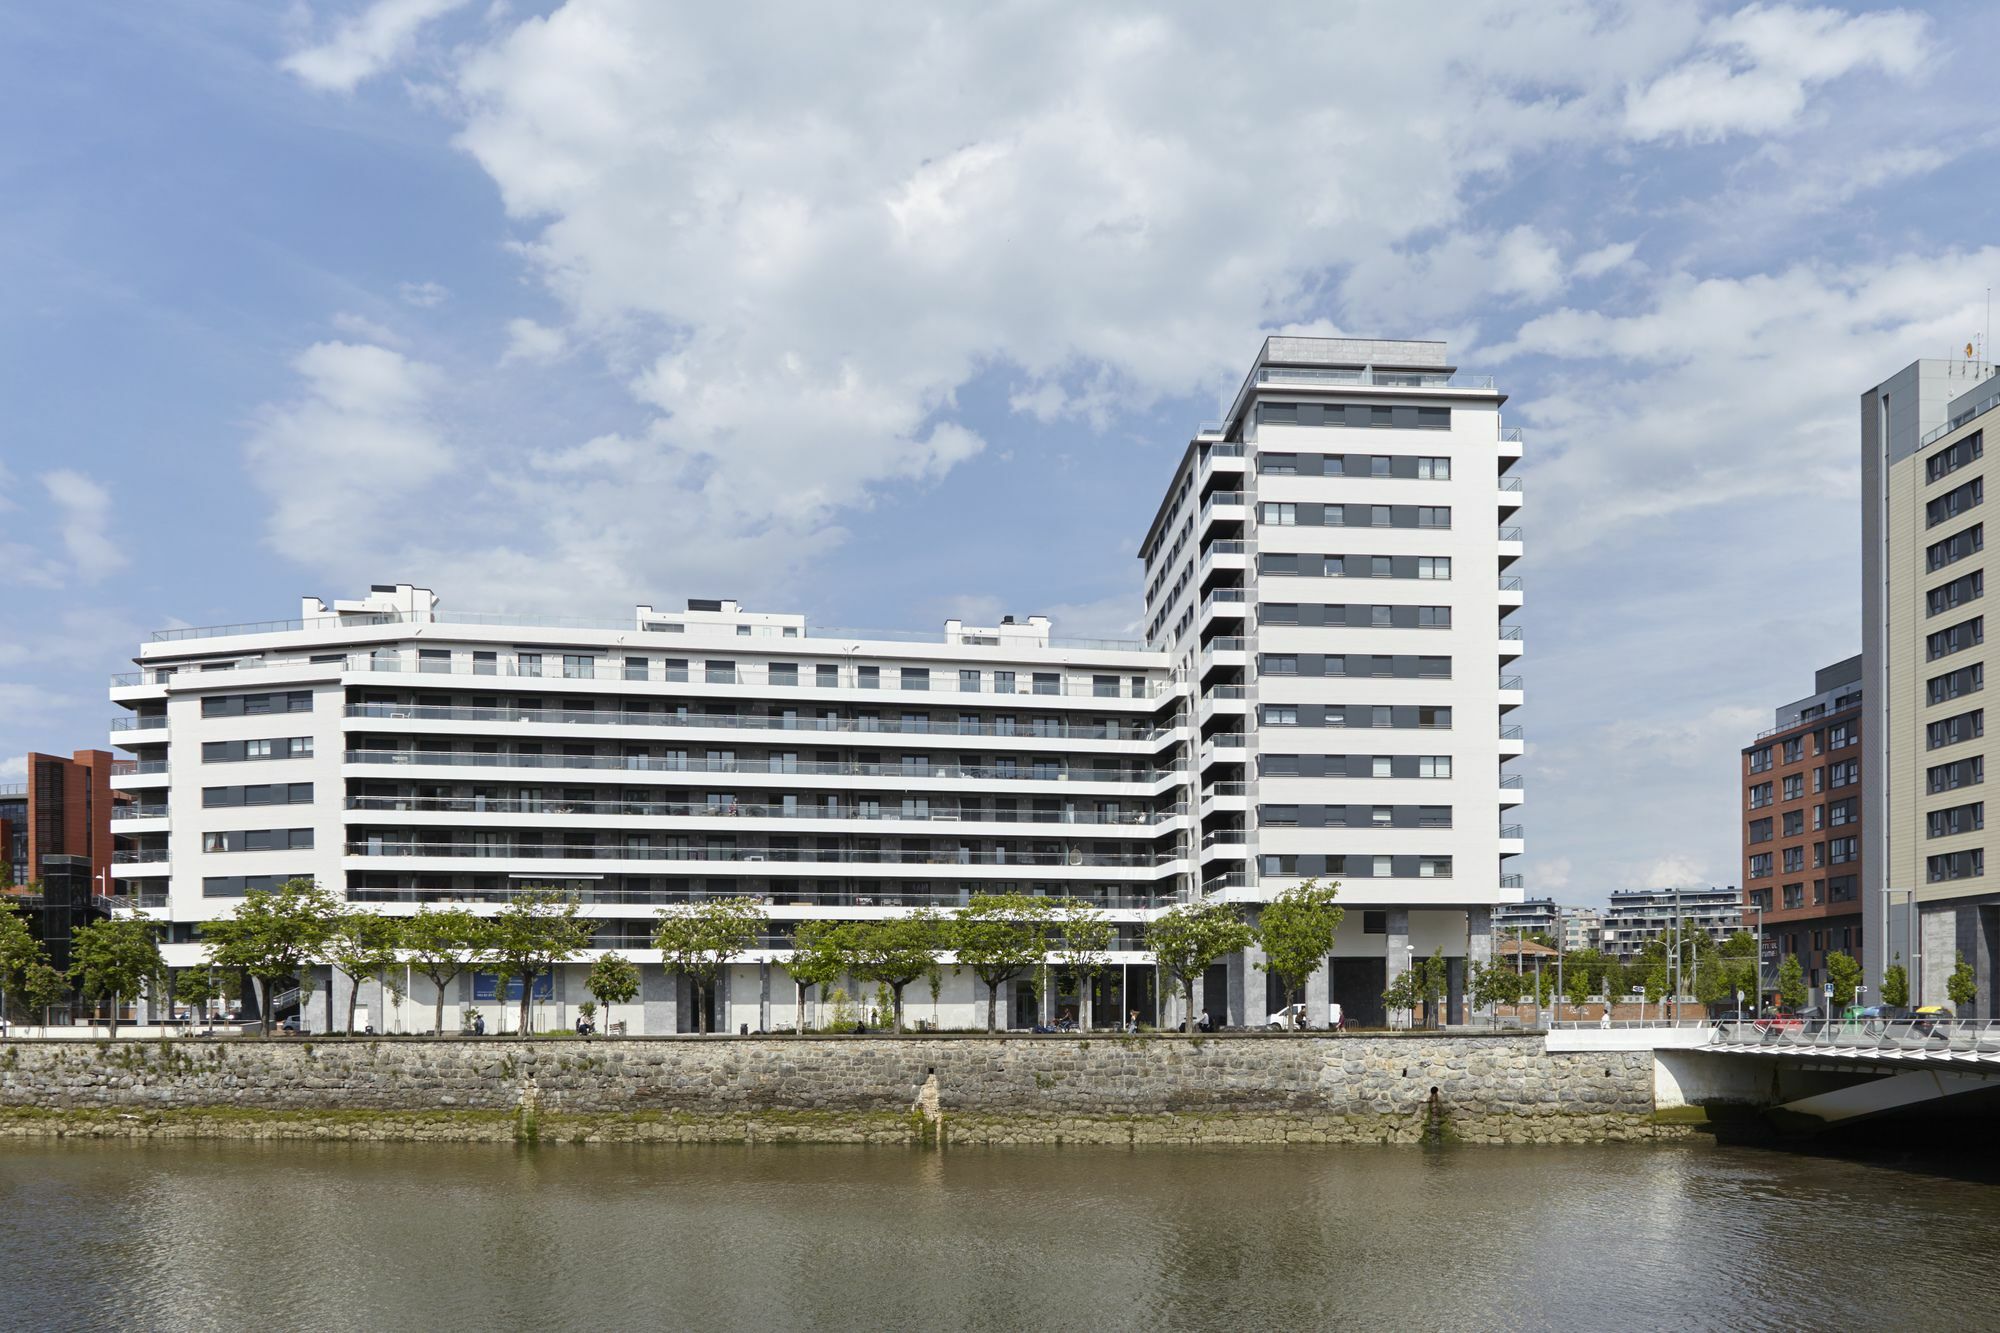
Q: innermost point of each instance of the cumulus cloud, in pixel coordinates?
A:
(347, 461)
(83, 509)
(374, 39)
(1604, 259)
(529, 341)
(424, 295)
(364, 329)
(1759, 65)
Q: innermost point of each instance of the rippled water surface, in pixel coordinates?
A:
(236, 1236)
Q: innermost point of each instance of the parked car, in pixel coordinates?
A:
(289, 1024)
(1287, 1019)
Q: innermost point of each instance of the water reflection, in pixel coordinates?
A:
(464, 1237)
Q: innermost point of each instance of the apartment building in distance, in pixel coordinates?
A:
(1531, 916)
(56, 843)
(1927, 894)
(1639, 916)
(1802, 825)
(1322, 693)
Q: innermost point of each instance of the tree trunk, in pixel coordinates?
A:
(701, 994)
(1086, 997)
(1187, 992)
(800, 1013)
(114, 1016)
(896, 993)
(440, 1006)
(353, 998)
(527, 1000)
(264, 1000)
(992, 1004)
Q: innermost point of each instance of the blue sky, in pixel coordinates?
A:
(897, 313)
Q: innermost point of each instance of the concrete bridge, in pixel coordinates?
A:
(1814, 1075)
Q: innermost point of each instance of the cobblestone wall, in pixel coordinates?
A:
(1154, 1088)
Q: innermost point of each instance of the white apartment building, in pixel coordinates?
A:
(403, 753)
(1331, 573)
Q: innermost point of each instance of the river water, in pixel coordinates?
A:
(335, 1236)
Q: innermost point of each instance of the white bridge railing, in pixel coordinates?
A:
(1942, 1039)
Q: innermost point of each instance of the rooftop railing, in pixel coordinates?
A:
(1980, 408)
(1384, 379)
(1009, 635)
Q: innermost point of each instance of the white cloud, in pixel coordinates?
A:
(348, 461)
(83, 508)
(364, 329)
(364, 45)
(1760, 64)
(14, 769)
(424, 295)
(7, 489)
(1604, 259)
(529, 341)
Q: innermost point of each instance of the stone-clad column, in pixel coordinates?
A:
(763, 997)
(1479, 935)
(1319, 994)
(659, 1014)
(1398, 945)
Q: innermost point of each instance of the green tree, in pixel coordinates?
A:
(1576, 983)
(1896, 985)
(897, 951)
(270, 937)
(361, 944)
(821, 954)
(1845, 974)
(442, 945)
(197, 987)
(701, 939)
(1083, 935)
(1495, 984)
(1961, 986)
(1792, 983)
(1433, 979)
(1405, 992)
(41, 988)
(999, 936)
(613, 979)
(1295, 930)
(535, 933)
(19, 949)
(114, 960)
(1185, 940)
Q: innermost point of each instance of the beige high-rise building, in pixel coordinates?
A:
(1927, 892)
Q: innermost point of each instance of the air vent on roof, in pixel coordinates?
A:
(704, 604)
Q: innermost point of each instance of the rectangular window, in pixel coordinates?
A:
(783, 673)
(528, 664)
(1279, 515)
(1959, 773)
(870, 678)
(1434, 516)
(1843, 774)
(1433, 617)
(1433, 566)
(1003, 682)
(1965, 634)
(1955, 865)
(1278, 465)
(1795, 859)
(1947, 461)
(1950, 596)
(1760, 830)
(1273, 664)
(1760, 759)
(1276, 715)
(1795, 786)
(1840, 735)
(968, 680)
(1434, 766)
(1955, 547)
(1048, 682)
(1958, 819)
(826, 677)
(486, 663)
(635, 668)
(1795, 823)
(916, 678)
(1760, 865)
(1434, 469)
(719, 671)
(1958, 500)
(1795, 749)
(1955, 684)
(1760, 796)
(1952, 730)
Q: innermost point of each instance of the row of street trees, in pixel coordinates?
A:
(114, 960)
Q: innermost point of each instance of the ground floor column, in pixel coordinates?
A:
(659, 1010)
(763, 997)
(1397, 945)
(1319, 994)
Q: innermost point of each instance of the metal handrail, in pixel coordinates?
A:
(1510, 534)
(1946, 1036)
(560, 851)
(654, 764)
(1038, 729)
(889, 812)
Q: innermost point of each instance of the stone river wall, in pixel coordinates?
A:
(1148, 1089)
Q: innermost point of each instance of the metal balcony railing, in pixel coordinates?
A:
(131, 723)
(1032, 729)
(1510, 781)
(518, 850)
(1510, 534)
(1511, 831)
(655, 764)
(1510, 483)
(1510, 733)
(1510, 583)
(136, 811)
(867, 811)
(139, 856)
(1510, 682)
(127, 767)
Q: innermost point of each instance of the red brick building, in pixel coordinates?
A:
(1802, 829)
(63, 809)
